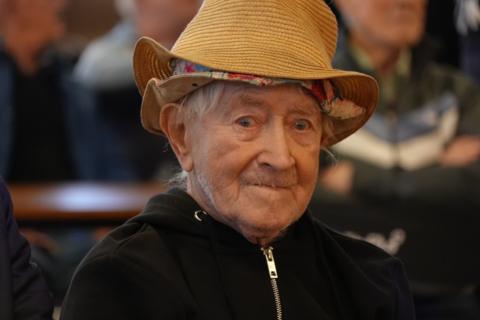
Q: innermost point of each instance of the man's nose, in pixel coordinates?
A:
(276, 152)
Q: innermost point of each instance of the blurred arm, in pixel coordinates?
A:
(31, 297)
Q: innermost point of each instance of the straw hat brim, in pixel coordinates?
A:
(153, 75)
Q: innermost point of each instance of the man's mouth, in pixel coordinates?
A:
(275, 182)
(273, 185)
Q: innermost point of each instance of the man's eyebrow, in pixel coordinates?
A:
(306, 108)
(251, 100)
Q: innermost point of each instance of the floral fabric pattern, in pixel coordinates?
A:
(329, 99)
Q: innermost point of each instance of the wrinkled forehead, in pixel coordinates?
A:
(236, 94)
(300, 98)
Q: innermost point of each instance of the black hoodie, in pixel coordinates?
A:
(175, 262)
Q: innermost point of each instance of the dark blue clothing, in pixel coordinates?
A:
(23, 292)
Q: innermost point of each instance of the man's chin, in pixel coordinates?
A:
(263, 236)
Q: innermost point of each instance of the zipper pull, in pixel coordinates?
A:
(272, 269)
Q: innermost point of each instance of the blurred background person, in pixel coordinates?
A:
(106, 68)
(47, 121)
(48, 125)
(422, 145)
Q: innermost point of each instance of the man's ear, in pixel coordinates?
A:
(173, 125)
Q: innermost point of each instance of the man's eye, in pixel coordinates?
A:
(302, 124)
(246, 122)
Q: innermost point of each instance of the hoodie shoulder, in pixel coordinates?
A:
(369, 272)
(133, 256)
(355, 248)
(137, 244)
(145, 238)
(368, 259)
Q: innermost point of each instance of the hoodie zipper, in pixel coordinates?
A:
(272, 272)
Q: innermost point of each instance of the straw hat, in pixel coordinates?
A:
(287, 39)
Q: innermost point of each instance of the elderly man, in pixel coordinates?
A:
(247, 98)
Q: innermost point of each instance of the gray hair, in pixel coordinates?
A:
(207, 99)
(193, 106)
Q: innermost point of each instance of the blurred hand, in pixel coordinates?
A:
(338, 178)
(461, 151)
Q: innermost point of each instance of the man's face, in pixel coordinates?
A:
(395, 23)
(255, 158)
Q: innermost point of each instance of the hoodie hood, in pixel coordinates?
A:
(173, 210)
(177, 211)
